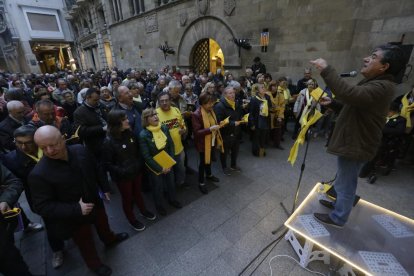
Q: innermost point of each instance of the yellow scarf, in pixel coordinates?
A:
(38, 157)
(231, 103)
(264, 107)
(404, 110)
(302, 134)
(209, 119)
(158, 135)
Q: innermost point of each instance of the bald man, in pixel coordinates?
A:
(10, 124)
(64, 186)
(126, 103)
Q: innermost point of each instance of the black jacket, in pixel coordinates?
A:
(122, 157)
(10, 186)
(20, 165)
(7, 127)
(58, 185)
(91, 130)
(254, 113)
(224, 110)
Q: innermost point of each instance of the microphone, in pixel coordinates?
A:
(349, 75)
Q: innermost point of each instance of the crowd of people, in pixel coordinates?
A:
(61, 134)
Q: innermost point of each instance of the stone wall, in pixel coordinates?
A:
(341, 31)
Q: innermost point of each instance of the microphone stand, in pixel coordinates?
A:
(302, 169)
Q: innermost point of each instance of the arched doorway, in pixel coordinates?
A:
(207, 56)
(205, 28)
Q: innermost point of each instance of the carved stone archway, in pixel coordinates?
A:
(208, 27)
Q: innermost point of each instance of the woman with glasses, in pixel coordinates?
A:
(155, 138)
(122, 159)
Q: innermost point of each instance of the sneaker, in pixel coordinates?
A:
(212, 178)
(103, 270)
(327, 204)
(33, 227)
(161, 210)
(148, 215)
(324, 218)
(235, 168)
(137, 225)
(176, 204)
(227, 171)
(57, 259)
(203, 188)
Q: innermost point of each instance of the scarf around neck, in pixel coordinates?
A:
(160, 138)
(231, 103)
(209, 119)
(264, 107)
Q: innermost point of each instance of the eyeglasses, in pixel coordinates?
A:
(151, 115)
(20, 143)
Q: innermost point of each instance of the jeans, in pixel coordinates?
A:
(179, 169)
(345, 186)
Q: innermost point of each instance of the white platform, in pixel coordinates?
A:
(375, 241)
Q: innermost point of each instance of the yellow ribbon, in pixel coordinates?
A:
(38, 157)
(404, 110)
(302, 134)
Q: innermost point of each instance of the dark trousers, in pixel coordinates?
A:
(259, 140)
(276, 136)
(231, 147)
(55, 243)
(131, 193)
(203, 168)
(83, 238)
(11, 262)
(160, 183)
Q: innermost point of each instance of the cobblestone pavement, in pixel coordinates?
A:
(219, 233)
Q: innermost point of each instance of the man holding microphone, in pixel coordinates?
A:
(362, 113)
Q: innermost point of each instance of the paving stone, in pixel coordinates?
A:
(239, 225)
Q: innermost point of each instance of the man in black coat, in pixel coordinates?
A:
(14, 120)
(229, 108)
(258, 67)
(65, 192)
(91, 122)
(11, 262)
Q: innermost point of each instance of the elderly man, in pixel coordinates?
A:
(46, 115)
(126, 103)
(171, 117)
(303, 82)
(358, 129)
(89, 118)
(21, 162)
(174, 88)
(57, 94)
(158, 88)
(10, 124)
(11, 262)
(64, 186)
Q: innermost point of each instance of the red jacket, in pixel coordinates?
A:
(198, 129)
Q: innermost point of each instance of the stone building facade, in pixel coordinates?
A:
(342, 31)
(34, 36)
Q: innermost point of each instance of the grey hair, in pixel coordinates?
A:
(234, 84)
(174, 84)
(13, 105)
